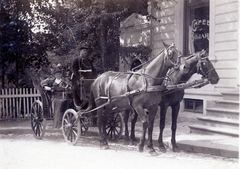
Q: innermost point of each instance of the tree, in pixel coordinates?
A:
(66, 24)
(17, 46)
(95, 22)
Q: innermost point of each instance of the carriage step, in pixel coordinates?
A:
(202, 129)
(219, 122)
(225, 113)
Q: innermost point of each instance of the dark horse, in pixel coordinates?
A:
(199, 63)
(139, 91)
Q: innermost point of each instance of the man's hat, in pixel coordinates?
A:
(57, 68)
(84, 45)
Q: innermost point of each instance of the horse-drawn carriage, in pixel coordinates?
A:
(48, 112)
(140, 91)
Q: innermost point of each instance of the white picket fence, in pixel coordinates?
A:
(17, 103)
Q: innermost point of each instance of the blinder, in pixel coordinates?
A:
(202, 62)
(169, 52)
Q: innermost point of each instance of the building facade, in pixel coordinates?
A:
(194, 25)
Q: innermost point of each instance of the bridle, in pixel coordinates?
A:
(171, 71)
(175, 65)
(200, 68)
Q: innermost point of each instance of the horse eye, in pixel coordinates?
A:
(204, 64)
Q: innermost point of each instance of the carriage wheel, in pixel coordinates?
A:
(37, 120)
(114, 127)
(71, 126)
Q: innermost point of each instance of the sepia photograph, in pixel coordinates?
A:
(119, 84)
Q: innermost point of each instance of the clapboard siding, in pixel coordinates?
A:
(226, 55)
(165, 12)
(163, 36)
(226, 64)
(163, 31)
(227, 8)
(163, 28)
(223, 46)
(227, 17)
(224, 2)
(226, 84)
(226, 27)
(228, 36)
(226, 44)
(227, 73)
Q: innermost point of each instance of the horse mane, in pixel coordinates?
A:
(145, 64)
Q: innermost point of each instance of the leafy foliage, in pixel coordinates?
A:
(35, 33)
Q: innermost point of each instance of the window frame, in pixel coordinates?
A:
(189, 5)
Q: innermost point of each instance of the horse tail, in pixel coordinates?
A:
(91, 103)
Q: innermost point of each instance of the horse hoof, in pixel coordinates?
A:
(104, 147)
(153, 153)
(134, 143)
(140, 148)
(126, 142)
(162, 149)
(176, 149)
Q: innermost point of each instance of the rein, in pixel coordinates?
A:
(194, 84)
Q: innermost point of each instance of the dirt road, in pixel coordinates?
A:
(25, 152)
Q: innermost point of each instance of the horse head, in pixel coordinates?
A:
(176, 62)
(199, 63)
(176, 73)
(171, 57)
(205, 67)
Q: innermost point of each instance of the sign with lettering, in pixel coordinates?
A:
(200, 34)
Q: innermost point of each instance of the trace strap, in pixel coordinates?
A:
(195, 84)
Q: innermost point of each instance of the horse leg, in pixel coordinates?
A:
(175, 110)
(126, 117)
(101, 127)
(141, 113)
(162, 126)
(151, 116)
(133, 122)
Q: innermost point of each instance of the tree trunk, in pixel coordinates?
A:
(110, 42)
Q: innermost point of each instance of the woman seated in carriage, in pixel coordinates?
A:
(56, 86)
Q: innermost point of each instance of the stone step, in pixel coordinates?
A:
(224, 113)
(231, 95)
(201, 129)
(219, 122)
(226, 104)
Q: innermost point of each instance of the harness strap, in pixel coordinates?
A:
(182, 86)
(145, 88)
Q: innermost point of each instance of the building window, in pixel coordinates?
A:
(197, 26)
(193, 105)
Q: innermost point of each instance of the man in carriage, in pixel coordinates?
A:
(83, 75)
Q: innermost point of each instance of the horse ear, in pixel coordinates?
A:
(207, 51)
(165, 45)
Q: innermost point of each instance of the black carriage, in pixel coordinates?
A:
(42, 113)
(75, 123)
